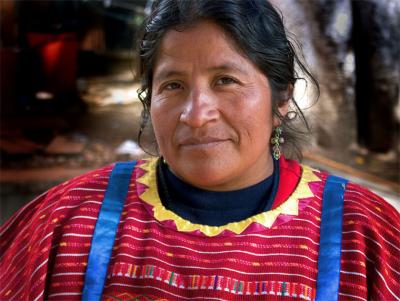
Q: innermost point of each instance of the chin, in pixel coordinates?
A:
(207, 175)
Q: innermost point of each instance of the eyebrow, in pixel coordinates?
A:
(228, 67)
(163, 74)
(166, 74)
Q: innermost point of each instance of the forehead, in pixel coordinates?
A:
(202, 45)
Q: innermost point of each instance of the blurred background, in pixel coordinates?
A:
(69, 104)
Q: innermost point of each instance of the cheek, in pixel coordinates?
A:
(255, 133)
(164, 124)
(157, 120)
(257, 110)
(254, 119)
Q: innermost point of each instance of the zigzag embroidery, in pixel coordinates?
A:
(266, 219)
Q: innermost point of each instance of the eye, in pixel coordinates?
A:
(225, 80)
(172, 86)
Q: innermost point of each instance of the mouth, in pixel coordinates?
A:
(201, 143)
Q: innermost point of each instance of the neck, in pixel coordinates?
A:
(215, 208)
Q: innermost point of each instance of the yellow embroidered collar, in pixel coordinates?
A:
(267, 219)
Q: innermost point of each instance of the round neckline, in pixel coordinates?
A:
(256, 223)
(214, 208)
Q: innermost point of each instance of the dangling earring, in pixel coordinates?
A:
(276, 141)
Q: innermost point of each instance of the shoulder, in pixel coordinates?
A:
(60, 221)
(361, 205)
(80, 196)
(55, 203)
(356, 197)
(76, 197)
(367, 215)
(360, 201)
(39, 229)
(370, 243)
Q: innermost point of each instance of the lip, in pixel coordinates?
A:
(201, 143)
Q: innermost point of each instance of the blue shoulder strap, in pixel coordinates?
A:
(105, 230)
(330, 244)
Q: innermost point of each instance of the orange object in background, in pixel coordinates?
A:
(58, 54)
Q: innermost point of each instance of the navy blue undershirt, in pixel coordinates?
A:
(215, 208)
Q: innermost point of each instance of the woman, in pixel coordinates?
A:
(221, 215)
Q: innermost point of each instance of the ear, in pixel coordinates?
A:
(283, 108)
(283, 104)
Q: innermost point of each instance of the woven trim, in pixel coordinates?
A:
(266, 219)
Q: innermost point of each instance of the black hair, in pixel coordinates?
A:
(258, 31)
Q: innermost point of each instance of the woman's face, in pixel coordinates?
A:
(211, 110)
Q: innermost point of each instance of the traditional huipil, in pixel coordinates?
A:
(155, 254)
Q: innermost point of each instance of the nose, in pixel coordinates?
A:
(200, 109)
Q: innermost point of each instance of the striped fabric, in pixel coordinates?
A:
(45, 247)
